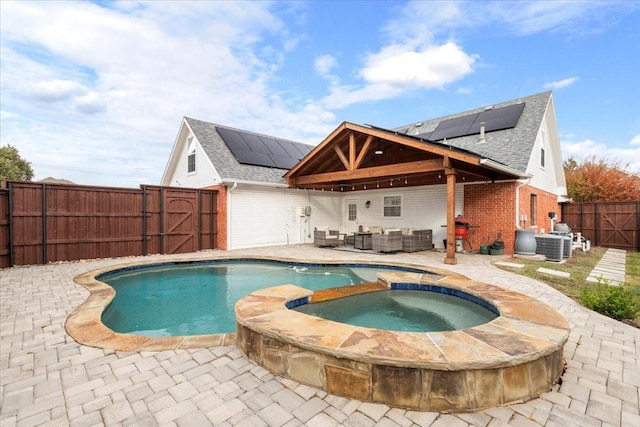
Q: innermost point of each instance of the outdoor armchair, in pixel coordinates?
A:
(322, 237)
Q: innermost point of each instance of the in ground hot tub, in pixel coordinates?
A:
(512, 358)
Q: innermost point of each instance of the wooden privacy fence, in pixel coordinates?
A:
(42, 223)
(608, 224)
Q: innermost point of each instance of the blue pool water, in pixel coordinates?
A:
(403, 310)
(199, 299)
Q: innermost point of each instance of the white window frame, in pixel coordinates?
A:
(191, 154)
(386, 204)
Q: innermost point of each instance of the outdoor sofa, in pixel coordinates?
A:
(388, 241)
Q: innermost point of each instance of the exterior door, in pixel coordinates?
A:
(351, 215)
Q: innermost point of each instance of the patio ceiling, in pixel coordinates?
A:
(355, 157)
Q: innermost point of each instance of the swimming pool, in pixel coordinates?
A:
(198, 298)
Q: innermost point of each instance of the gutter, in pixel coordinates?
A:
(492, 164)
(235, 183)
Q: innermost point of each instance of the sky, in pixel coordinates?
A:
(95, 92)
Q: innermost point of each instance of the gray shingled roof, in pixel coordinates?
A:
(511, 147)
(225, 162)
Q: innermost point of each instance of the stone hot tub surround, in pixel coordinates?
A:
(513, 358)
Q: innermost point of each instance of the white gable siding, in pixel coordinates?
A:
(205, 174)
(549, 177)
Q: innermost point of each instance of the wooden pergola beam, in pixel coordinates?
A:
(400, 169)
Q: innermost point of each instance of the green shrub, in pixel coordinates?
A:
(618, 302)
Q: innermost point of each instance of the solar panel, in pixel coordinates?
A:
(453, 132)
(498, 119)
(290, 149)
(274, 147)
(233, 139)
(284, 162)
(494, 119)
(255, 143)
(251, 149)
(252, 158)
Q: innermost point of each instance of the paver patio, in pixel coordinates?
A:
(46, 378)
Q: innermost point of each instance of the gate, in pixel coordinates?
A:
(607, 224)
(180, 225)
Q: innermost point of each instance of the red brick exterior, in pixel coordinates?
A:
(221, 210)
(491, 210)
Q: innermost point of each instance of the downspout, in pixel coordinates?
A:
(229, 214)
(518, 202)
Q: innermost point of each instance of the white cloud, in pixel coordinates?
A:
(397, 69)
(91, 103)
(432, 67)
(54, 90)
(560, 83)
(635, 140)
(324, 64)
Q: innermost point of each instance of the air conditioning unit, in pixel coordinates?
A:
(568, 242)
(551, 246)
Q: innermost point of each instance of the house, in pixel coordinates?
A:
(499, 165)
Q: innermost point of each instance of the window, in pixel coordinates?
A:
(533, 209)
(191, 156)
(543, 144)
(352, 209)
(392, 206)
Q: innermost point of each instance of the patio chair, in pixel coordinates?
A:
(323, 237)
(418, 240)
(389, 241)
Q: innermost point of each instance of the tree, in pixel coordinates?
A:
(12, 166)
(599, 180)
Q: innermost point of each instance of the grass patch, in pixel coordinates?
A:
(579, 266)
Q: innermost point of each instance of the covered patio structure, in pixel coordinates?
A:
(355, 157)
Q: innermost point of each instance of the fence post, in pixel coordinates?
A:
(199, 222)
(44, 223)
(637, 226)
(10, 204)
(596, 223)
(144, 220)
(161, 219)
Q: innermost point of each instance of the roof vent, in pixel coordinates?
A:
(488, 107)
(482, 127)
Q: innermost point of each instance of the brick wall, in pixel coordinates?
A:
(222, 216)
(492, 209)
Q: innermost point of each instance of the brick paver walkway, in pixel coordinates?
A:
(48, 379)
